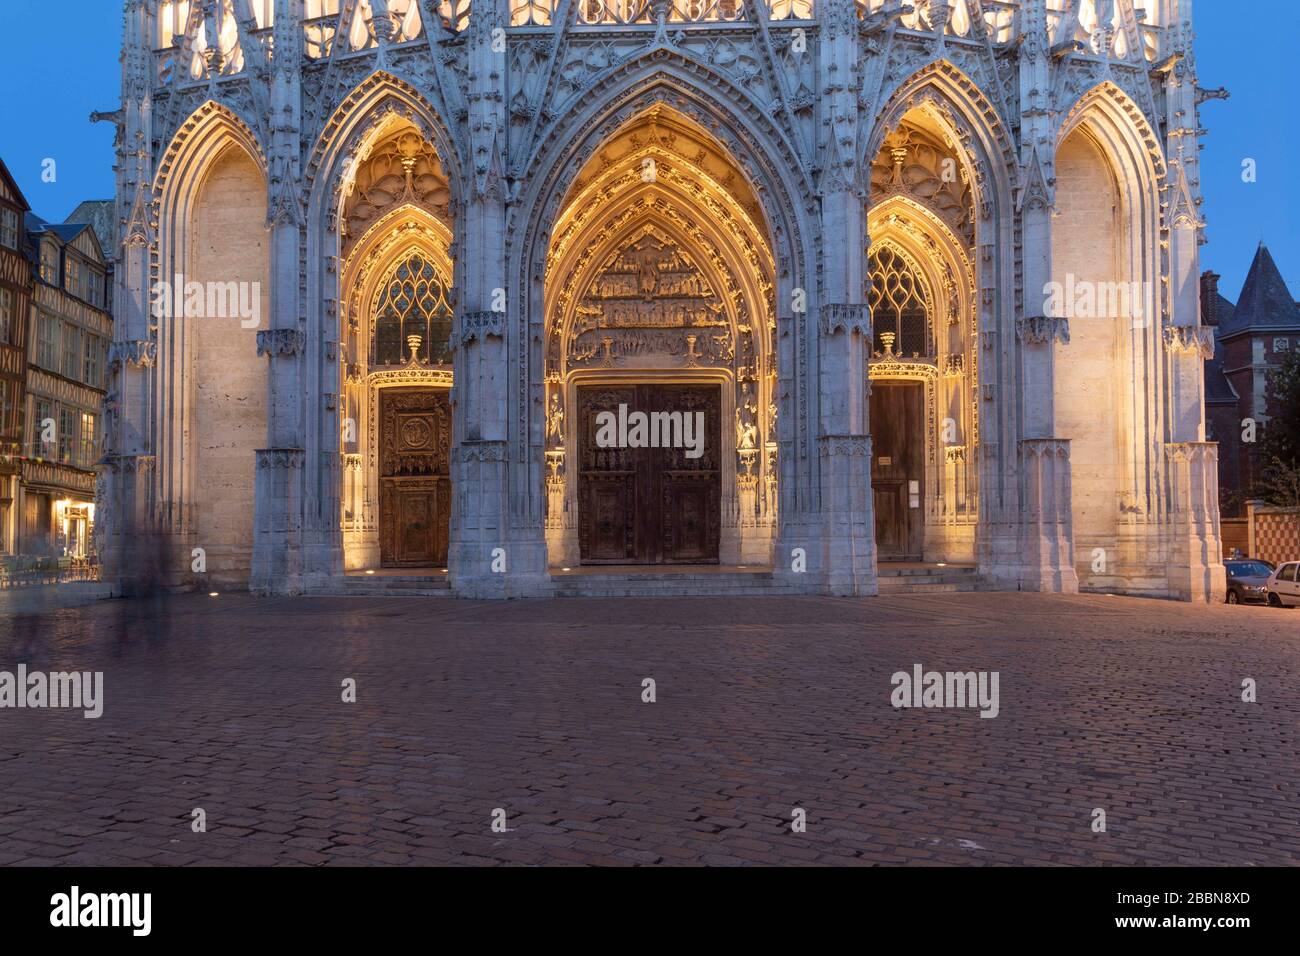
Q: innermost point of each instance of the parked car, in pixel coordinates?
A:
(1284, 585)
(1248, 581)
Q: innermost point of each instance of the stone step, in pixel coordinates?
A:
(410, 592)
(386, 585)
(931, 587)
(671, 584)
(926, 571)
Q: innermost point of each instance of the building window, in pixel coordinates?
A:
(72, 276)
(96, 296)
(50, 263)
(67, 435)
(8, 229)
(1281, 345)
(47, 342)
(6, 313)
(413, 303)
(899, 304)
(44, 414)
(71, 366)
(6, 409)
(87, 458)
(93, 364)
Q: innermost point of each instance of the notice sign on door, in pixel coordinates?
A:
(914, 494)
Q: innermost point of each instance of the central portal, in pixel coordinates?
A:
(414, 482)
(649, 505)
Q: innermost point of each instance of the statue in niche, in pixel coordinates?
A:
(746, 421)
(555, 422)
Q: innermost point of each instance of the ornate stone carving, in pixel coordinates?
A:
(844, 446)
(1043, 330)
(132, 353)
(1182, 339)
(280, 342)
(273, 458)
(478, 325)
(131, 464)
(846, 318)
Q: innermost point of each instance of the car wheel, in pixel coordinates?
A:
(1274, 600)
(1233, 598)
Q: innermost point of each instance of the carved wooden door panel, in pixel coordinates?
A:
(607, 483)
(689, 489)
(414, 482)
(649, 505)
(898, 469)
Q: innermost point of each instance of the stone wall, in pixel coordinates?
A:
(229, 244)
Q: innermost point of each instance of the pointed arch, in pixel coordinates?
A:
(1112, 115)
(728, 115)
(203, 134)
(763, 155)
(1108, 241)
(405, 231)
(728, 221)
(364, 115)
(956, 101)
(979, 369)
(212, 182)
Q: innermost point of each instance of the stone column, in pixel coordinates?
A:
(498, 546)
(845, 562)
(135, 554)
(280, 467)
(1046, 506)
(1196, 570)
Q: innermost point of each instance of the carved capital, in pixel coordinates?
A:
(1197, 339)
(130, 464)
(844, 446)
(280, 342)
(270, 458)
(1205, 453)
(1031, 448)
(478, 325)
(141, 354)
(481, 451)
(846, 318)
(1043, 329)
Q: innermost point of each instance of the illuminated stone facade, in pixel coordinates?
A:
(520, 199)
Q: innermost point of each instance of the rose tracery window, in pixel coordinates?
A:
(414, 302)
(900, 304)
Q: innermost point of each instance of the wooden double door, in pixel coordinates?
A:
(898, 469)
(648, 505)
(414, 477)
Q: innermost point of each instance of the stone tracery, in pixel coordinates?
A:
(746, 180)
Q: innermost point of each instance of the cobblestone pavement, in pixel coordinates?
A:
(233, 704)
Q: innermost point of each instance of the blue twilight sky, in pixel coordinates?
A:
(53, 79)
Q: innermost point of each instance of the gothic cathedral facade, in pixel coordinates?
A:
(924, 275)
